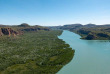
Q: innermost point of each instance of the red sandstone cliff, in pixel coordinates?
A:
(9, 31)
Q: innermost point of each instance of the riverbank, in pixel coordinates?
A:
(34, 52)
(91, 56)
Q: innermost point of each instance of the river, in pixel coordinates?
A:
(91, 56)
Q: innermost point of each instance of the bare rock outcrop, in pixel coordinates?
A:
(9, 32)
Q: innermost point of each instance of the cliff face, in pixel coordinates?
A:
(20, 29)
(34, 29)
(8, 31)
(1, 32)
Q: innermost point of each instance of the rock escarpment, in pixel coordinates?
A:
(20, 29)
(34, 29)
(27, 28)
(9, 32)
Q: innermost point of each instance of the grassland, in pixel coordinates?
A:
(34, 53)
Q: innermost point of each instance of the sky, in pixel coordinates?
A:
(54, 12)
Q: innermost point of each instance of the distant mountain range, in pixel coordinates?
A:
(88, 31)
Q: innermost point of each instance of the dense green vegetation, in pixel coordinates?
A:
(95, 33)
(38, 52)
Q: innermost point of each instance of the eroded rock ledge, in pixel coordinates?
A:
(9, 32)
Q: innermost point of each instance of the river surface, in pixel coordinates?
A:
(91, 56)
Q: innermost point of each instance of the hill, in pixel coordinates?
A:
(14, 30)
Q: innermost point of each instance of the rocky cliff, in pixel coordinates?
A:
(9, 32)
(13, 30)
